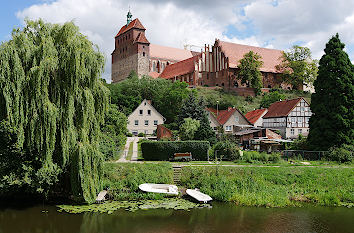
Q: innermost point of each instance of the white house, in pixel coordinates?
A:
(144, 119)
(290, 117)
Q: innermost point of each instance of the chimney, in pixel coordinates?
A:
(149, 101)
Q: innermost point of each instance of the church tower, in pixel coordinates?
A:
(131, 50)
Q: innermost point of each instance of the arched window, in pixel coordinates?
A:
(143, 54)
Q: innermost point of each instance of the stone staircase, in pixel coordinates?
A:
(177, 172)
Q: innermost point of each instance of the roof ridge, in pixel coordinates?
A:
(250, 45)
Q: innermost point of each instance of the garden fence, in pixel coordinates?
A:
(304, 154)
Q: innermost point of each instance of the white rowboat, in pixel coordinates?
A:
(199, 196)
(159, 188)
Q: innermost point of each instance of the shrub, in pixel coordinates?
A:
(164, 150)
(129, 134)
(226, 149)
(341, 154)
(252, 156)
(141, 135)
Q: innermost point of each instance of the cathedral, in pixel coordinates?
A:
(214, 66)
(133, 51)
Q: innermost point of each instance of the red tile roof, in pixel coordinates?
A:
(223, 115)
(179, 68)
(133, 24)
(168, 53)
(154, 74)
(254, 115)
(235, 52)
(141, 39)
(281, 108)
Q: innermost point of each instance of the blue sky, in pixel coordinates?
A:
(8, 19)
(275, 24)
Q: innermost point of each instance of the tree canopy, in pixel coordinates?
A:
(270, 98)
(53, 103)
(166, 96)
(249, 70)
(188, 129)
(194, 109)
(298, 67)
(332, 120)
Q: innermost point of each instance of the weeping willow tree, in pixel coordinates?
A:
(53, 103)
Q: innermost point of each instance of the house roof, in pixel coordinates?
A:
(133, 24)
(235, 52)
(169, 53)
(149, 103)
(154, 74)
(179, 68)
(224, 115)
(141, 39)
(254, 115)
(282, 108)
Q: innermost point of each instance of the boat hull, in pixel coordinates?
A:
(199, 196)
(159, 188)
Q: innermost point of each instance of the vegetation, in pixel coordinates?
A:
(194, 109)
(222, 99)
(273, 186)
(271, 97)
(52, 105)
(123, 179)
(343, 154)
(255, 156)
(332, 103)
(113, 134)
(249, 71)
(130, 151)
(188, 129)
(128, 94)
(164, 150)
(110, 207)
(225, 150)
(298, 67)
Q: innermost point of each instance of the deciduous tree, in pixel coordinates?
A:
(53, 101)
(249, 70)
(297, 67)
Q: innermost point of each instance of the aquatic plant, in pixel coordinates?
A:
(111, 206)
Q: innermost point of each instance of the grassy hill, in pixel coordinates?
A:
(244, 104)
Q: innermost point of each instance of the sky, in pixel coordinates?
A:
(277, 24)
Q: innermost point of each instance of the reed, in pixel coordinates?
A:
(274, 186)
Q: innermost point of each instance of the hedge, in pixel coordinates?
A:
(164, 150)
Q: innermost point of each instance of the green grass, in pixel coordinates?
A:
(130, 152)
(273, 186)
(123, 179)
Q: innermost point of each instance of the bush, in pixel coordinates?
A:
(227, 150)
(141, 135)
(129, 134)
(253, 156)
(164, 150)
(341, 154)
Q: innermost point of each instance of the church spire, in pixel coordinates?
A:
(129, 17)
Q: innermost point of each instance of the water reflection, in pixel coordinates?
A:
(222, 218)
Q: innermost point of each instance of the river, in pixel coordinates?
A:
(221, 218)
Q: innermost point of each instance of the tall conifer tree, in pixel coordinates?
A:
(332, 122)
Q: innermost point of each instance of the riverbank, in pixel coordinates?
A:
(245, 186)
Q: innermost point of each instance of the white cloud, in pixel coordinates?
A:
(312, 22)
(178, 22)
